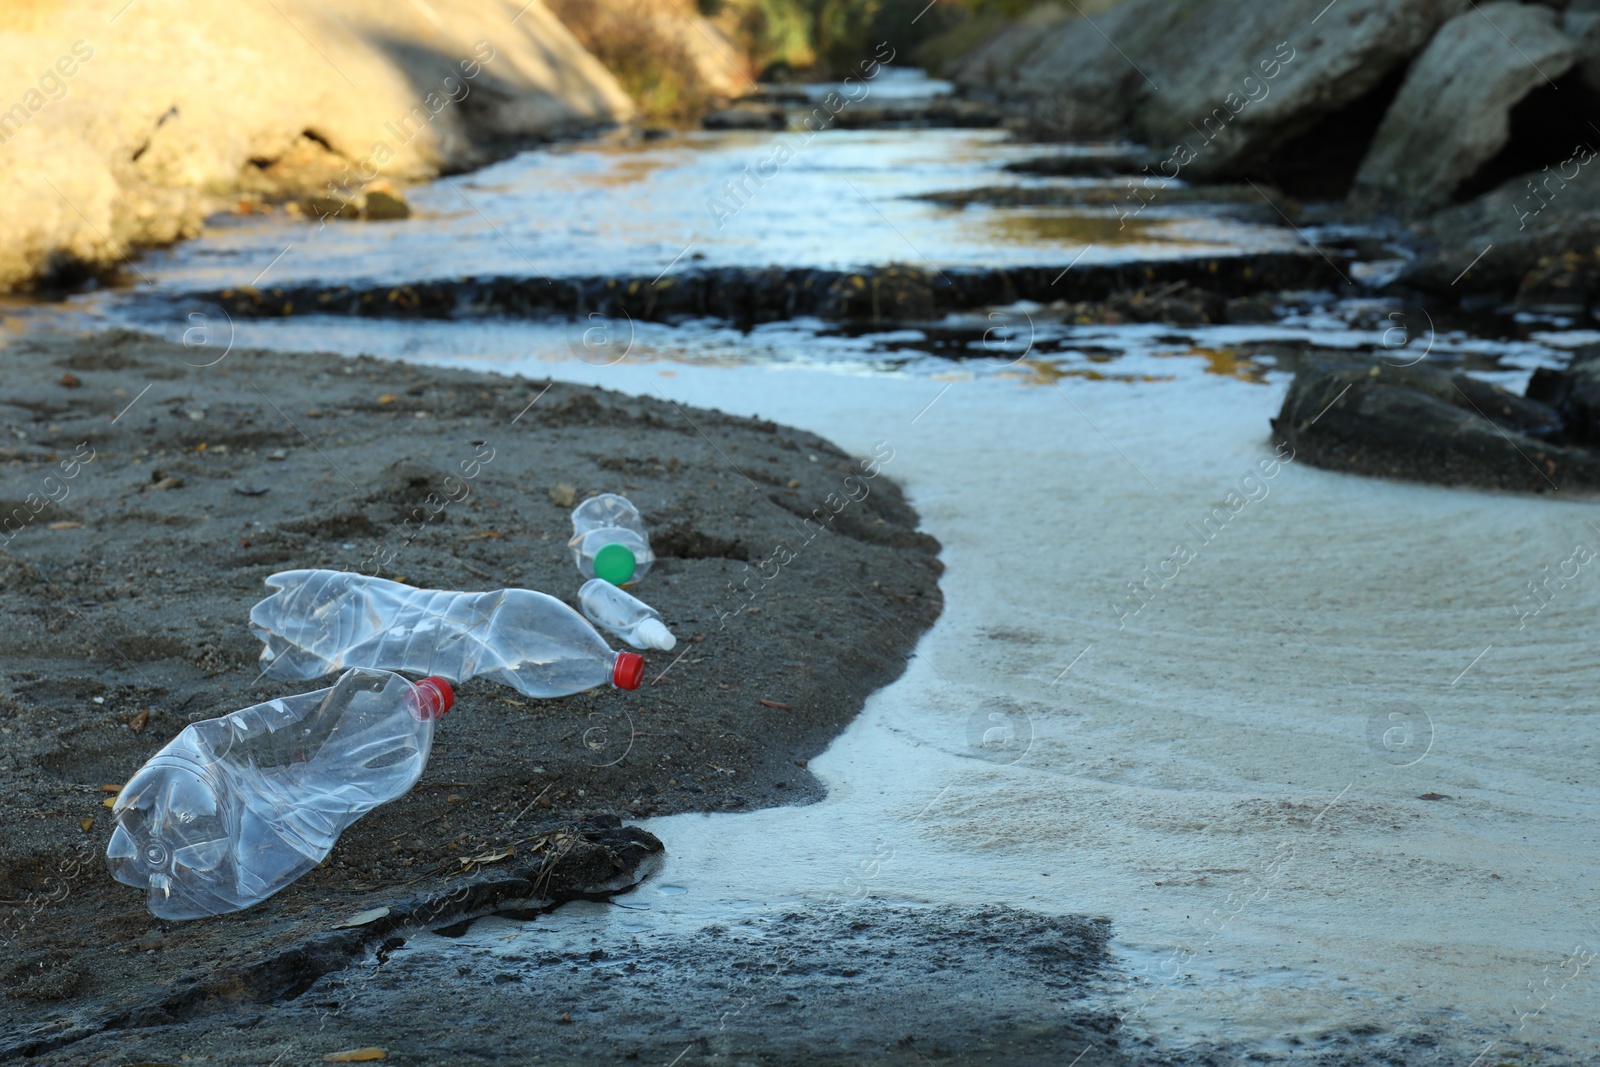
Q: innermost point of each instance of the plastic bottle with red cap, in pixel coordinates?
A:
(316, 622)
(235, 808)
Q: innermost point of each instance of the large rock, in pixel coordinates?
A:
(1581, 24)
(1073, 81)
(1215, 96)
(1574, 393)
(1231, 80)
(1426, 425)
(121, 127)
(1535, 238)
(1453, 113)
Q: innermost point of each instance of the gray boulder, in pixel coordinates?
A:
(1581, 23)
(1574, 393)
(1215, 95)
(1078, 74)
(1426, 425)
(1535, 237)
(1453, 113)
(1232, 81)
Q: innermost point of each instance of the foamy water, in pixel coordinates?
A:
(1233, 777)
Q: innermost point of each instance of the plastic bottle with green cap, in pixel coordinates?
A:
(609, 540)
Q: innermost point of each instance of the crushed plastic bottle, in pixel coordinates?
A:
(233, 809)
(318, 622)
(609, 540)
(619, 612)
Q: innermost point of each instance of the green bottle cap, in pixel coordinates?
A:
(615, 563)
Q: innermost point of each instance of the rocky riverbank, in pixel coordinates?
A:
(147, 489)
(1473, 123)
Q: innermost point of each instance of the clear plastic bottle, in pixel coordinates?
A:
(318, 622)
(233, 809)
(609, 540)
(619, 612)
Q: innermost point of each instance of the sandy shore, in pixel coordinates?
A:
(176, 486)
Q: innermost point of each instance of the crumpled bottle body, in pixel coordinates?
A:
(322, 621)
(235, 808)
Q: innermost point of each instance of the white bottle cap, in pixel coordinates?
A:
(653, 633)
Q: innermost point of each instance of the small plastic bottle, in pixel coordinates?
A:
(235, 808)
(318, 622)
(609, 540)
(619, 612)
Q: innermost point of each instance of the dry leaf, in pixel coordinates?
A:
(488, 857)
(369, 916)
(111, 789)
(776, 704)
(563, 495)
(110, 802)
(138, 722)
(70, 380)
(87, 824)
(66, 526)
(356, 1055)
(386, 398)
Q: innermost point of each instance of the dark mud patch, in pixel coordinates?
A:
(828, 985)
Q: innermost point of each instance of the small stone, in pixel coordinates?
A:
(70, 380)
(384, 205)
(563, 495)
(250, 490)
(153, 941)
(330, 207)
(278, 453)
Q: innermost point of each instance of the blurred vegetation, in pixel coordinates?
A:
(652, 67)
(783, 39)
(820, 38)
(828, 37)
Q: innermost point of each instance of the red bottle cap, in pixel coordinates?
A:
(435, 697)
(629, 670)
